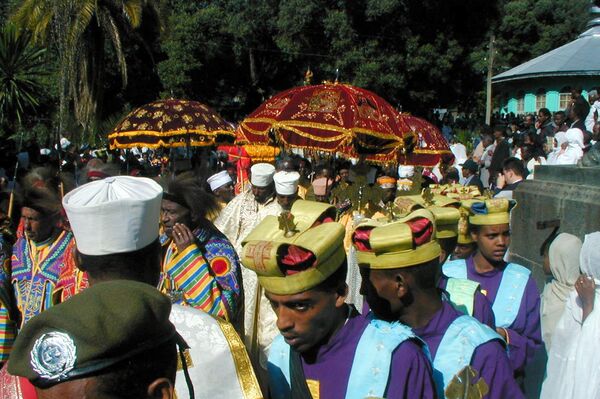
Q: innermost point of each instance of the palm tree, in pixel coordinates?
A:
(21, 67)
(80, 29)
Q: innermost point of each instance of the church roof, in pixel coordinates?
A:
(581, 57)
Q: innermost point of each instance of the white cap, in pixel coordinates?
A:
(115, 215)
(64, 143)
(219, 180)
(405, 171)
(286, 183)
(262, 174)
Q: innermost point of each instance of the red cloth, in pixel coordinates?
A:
(27, 390)
(97, 173)
(361, 239)
(422, 230)
(297, 260)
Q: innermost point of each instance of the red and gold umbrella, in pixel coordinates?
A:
(422, 144)
(171, 123)
(331, 117)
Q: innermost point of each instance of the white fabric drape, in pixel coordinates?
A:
(564, 264)
(573, 371)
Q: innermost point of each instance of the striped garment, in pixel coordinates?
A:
(205, 275)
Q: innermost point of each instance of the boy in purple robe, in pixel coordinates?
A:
(509, 287)
(326, 348)
(399, 263)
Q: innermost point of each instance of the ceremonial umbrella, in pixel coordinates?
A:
(422, 144)
(330, 117)
(171, 123)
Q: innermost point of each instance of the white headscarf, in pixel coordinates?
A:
(573, 371)
(564, 265)
(574, 151)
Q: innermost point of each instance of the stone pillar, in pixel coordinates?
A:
(567, 193)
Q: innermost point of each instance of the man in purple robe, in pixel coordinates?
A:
(326, 348)
(399, 263)
(509, 287)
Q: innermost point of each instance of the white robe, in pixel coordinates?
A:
(220, 365)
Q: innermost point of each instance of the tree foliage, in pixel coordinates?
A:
(21, 68)
(233, 54)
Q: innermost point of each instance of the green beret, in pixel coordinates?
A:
(105, 324)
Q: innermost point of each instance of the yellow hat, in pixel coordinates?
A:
(446, 220)
(408, 242)
(464, 236)
(406, 204)
(296, 251)
(491, 212)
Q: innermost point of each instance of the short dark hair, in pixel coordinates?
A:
(515, 165)
(187, 191)
(448, 244)
(545, 111)
(424, 274)
(560, 113)
(131, 378)
(142, 265)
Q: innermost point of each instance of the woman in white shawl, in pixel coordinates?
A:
(562, 262)
(573, 371)
(574, 148)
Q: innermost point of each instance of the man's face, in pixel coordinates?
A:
(528, 121)
(172, 213)
(467, 172)
(558, 120)
(497, 134)
(509, 176)
(463, 251)
(225, 192)
(381, 293)
(38, 227)
(388, 194)
(542, 118)
(344, 174)
(286, 201)
(307, 319)
(262, 194)
(493, 241)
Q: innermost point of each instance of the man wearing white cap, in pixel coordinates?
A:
(221, 186)
(115, 223)
(238, 218)
(286, 188)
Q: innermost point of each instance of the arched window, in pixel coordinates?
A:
(540, 99)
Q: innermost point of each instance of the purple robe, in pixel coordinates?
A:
(524, 334)
(410, 374)
(489, 359)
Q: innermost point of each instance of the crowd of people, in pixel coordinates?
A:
(149, 274)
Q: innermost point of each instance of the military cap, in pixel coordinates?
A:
(491, 212)
(105, 324)
(296, 251)
(408, 242)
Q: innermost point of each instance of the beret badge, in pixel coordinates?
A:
(53, 356)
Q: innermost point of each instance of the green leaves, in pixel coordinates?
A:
(21, 67)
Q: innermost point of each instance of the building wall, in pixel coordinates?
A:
(509, 95)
